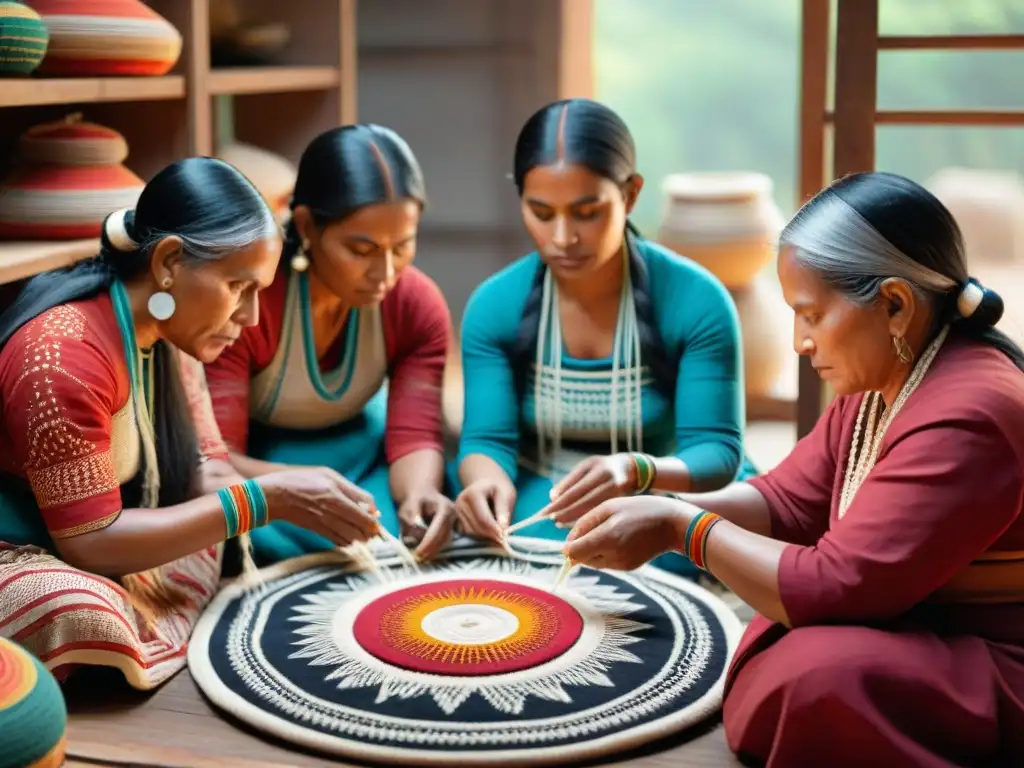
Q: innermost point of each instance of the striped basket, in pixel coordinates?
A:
(33, 715)
(23, 39)
(97, 38)
(71, 176)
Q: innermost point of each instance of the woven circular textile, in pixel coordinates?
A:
(475, 659)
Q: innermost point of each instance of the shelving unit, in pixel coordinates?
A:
(310, 89)
(456, 79)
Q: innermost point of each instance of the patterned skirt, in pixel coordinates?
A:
(139, 624)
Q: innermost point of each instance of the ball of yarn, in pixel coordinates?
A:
(23, 39)
(33, 716)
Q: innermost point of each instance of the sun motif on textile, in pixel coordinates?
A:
(474, 658)
(468, 627)
(486, 627)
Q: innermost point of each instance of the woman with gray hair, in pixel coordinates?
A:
(116, 493)
(885, 555)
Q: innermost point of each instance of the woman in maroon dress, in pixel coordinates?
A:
(885, 555)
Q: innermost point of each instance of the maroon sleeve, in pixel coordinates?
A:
(799, 490)
(229, 375)
(940, 496)
(417, 329)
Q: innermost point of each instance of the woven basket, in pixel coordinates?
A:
(23, 39)
(97, 38)
(70, 177)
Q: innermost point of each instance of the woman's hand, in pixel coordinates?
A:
(623, 534)
(427, 519)
(592, 481)
(321, 500)
(484, 508)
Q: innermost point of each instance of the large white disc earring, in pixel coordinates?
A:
(161, 304)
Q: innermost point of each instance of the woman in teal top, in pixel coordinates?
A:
(623, 331)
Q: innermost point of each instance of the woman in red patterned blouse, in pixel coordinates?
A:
(345, 366)
(116, 493)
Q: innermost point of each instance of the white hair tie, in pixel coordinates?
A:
(970, 298)
(117, 231)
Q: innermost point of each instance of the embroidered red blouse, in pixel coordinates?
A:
(417, 329)
(63, 377)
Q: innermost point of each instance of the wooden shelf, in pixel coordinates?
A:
(448, 54)
(240, 80)
(164, 119)
(21, 259)
(30, 92)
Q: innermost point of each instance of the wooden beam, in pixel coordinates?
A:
(814, 62)
(348, 60)
(196, 56)
(856, 94)
(951, 42)
(856, 86)
(1005, 118)
(576, 49)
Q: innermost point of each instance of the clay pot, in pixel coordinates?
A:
(766, 323)
(728, 222)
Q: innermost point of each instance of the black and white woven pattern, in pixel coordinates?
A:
(282, 657)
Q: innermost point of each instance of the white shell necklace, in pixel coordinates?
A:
(626, 365)
(864, 451)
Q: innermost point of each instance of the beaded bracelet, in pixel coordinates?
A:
(245, 507)
(646, 472)
(695, 544)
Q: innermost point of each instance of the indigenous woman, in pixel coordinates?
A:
(885, 555)
(111, 522)
(346, 312)
(600, 351)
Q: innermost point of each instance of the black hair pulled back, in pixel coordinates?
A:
(587, 133)
(215, 211)
(350, 167)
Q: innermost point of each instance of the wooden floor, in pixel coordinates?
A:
(111, 725)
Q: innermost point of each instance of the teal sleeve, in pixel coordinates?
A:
(490, 424)
(709, 403)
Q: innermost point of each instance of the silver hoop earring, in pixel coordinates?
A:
(903, 350)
